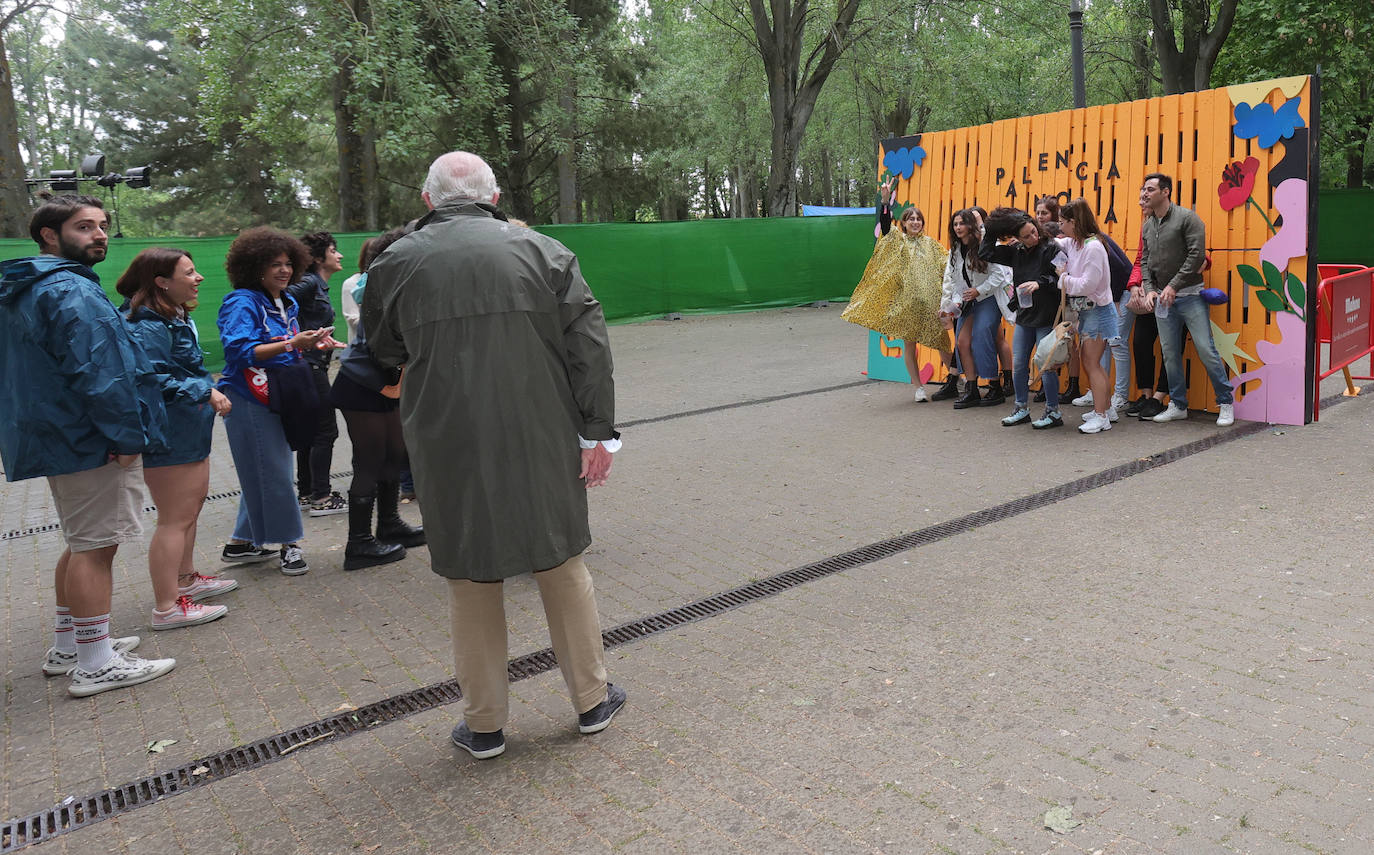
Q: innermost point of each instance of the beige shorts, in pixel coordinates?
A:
(99, 507)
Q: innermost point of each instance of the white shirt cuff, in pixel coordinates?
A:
(612, 445)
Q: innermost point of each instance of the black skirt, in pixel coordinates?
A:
(350, 395)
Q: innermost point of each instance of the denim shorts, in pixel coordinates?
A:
(1099, 322)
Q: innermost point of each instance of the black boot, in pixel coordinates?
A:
(1006, 381)
(1070, 392)
(994, 396)
(949, 390)
(363, 550)
(970, 398)
(390, 527)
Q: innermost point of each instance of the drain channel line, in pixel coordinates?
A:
(22, 832)
(14, 534)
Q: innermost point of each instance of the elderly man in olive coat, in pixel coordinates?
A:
(508, 408)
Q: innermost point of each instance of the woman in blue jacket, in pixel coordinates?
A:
(262, 343)
(160, 286)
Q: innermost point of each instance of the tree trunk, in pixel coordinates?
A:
(568, 207)
(1188, 68)
(780, 31)
(517, 196)
(827, 178)
(14, 197)
(357, 158)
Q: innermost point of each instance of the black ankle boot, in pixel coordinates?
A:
(390, 527)
(1006, 381)
(1070, 392)
(995, 394)
(970, 398)
(363, 550)
(949, 390)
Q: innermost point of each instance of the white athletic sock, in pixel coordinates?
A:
(93, 647)
(62, 636)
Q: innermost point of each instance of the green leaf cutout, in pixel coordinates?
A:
(1251, 276)
(1296, 292)
(1271, 301)
(1273, 277)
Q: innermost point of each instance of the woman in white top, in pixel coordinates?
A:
(1087, 280)
(968, 293)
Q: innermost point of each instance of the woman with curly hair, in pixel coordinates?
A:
(269, 386)
(161, 286)
(969, 290)
(899, 293)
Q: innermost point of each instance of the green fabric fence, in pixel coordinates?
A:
(646, 270)
(636, 270)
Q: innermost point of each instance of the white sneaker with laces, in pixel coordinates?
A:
(1172, 413)
(123, 670)
(60, 664)
(1096, 424)
(1084, 400)
(921, 396)
(187, 612)
(1227, 415)
(1111, 415)
(1119, 402)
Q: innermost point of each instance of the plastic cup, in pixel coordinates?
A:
(1161, 309)
(1023, 298)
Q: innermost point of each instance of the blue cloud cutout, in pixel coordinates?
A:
(1267, 124)
(903, 161)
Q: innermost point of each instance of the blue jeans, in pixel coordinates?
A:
(268, 510)
(987, 321)
(1120, 352)
(1023, 341)
(1194, 313)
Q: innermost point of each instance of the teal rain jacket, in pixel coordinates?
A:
(74, 386)
(179, 364)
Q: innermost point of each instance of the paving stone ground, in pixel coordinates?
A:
(1182, 657)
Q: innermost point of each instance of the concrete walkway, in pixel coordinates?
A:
(1180, 657)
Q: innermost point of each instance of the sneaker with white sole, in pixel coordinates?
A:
(245, 553)
(293, 560)
(59, 664)
(123, 670)
(1084, 400)
(1051, 419)
(921, 396)
(328, 505)
(187, 612)
(203, 587)
(482, 746)
(1172, 413)
(1096, 424)
(1111, 415)
(1227, 415)
(598, 718)
(1020, 416)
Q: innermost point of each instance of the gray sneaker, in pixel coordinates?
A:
(59, 664)
(598, 718)
(482, 746)
(123, 670)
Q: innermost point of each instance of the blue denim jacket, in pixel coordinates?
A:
(179, 364)
(248, 318)
(74, 385)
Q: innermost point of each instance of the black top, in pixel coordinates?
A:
(1035, 264)
(316, 310)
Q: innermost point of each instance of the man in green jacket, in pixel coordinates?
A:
(508, 409)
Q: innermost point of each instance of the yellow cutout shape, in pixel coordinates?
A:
(1254, 93)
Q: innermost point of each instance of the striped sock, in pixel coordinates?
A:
(62, 637)
(93, 648)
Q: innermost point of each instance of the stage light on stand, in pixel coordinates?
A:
(138, 176)
(62, 180)
(93, 165)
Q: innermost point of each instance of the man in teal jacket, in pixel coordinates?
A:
(79, 404)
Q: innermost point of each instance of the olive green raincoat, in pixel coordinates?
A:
(506, 363)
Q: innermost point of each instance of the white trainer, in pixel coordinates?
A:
(921, 396)
(1171, 413)
(1119, 402)
(1111, 414)
(1227, 415)
(123, 670)
(1096, 424)
(1085, 400)
(59, 664)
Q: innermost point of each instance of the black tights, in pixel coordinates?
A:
(1143, 337)
(379, 451)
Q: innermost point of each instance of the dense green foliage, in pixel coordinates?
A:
(310, 114)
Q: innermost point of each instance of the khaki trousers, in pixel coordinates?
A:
(478, 614)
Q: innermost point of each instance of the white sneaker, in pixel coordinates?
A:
(1171, 414)
(1085, 400)
(187, 612)
(1096, 424)
(59, 664)
(1227, 416)
(1111, 414)
(921, 396)
(123, 670)
(1119, 402)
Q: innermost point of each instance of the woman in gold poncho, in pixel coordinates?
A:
(899, 294)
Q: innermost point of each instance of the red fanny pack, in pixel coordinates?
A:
(256, 378)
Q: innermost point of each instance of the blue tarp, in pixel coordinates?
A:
(823, 211)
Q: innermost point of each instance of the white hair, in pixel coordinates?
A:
(459, 176)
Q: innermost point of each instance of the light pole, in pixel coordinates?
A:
(1080, 93)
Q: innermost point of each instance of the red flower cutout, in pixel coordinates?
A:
(1237, 182)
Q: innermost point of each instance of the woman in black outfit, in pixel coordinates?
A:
(368, 396)
(1031, 259)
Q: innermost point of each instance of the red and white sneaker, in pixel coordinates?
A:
(187, 612)
(202, 587)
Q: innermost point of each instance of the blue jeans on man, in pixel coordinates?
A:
(1192, 312)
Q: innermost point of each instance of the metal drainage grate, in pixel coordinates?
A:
(19, 833)
(14, 534)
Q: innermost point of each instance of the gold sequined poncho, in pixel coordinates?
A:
(899, 294)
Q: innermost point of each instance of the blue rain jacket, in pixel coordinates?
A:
(179, 366)
(248, 318)
(74, 385)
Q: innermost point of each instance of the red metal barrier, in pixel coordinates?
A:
(1345, 323)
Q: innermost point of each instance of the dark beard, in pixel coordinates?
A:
(92, 254)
